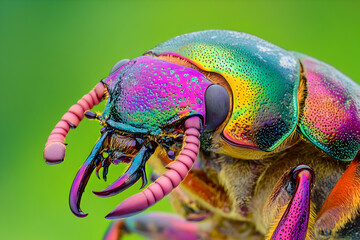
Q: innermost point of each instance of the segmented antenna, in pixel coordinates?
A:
(54, 151)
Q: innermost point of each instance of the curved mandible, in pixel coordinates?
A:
(171, 178)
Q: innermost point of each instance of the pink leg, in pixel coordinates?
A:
(294, 222)
(160, 226)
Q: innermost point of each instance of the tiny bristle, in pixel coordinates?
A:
(352, 205)
(311, 223)
(280, 212)
(279, 215)
(106, 94)
(123, 144)
(302, 93)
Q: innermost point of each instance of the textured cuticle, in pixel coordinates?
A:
(239, 59)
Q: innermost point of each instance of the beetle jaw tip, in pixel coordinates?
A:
(80, 214)
(103, 193)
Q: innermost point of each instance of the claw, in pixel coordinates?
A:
(97, 171)
(119, 185)
(132, 175)
(105, 171)
(167, 182)
(143, 177)
(82, 178)
(105, 164)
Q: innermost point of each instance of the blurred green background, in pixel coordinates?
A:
(53, 52)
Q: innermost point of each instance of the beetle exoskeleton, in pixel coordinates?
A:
(243, 101)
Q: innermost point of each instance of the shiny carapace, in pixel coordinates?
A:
(251, 141)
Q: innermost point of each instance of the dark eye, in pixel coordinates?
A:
(118, 65)
(217, 103)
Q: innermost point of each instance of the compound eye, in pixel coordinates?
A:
(118, 65)
(217, 103)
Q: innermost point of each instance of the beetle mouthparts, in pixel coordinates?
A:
(156, 191)
(82, 178)
(131, 176)
(169, 180)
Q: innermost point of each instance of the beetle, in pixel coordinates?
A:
(262, 141)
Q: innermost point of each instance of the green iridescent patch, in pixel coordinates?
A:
(263, 78)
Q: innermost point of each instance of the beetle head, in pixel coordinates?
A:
(148, 93)
(149, 102)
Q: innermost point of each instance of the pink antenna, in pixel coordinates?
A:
(54, 151)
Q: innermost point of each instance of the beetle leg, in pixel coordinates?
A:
(294, 222)
(116, 230)
(341, 208)
(187, 207)
(156, 226)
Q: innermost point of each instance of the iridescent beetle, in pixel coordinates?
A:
(267, 121)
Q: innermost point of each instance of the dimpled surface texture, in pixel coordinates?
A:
(294, 222)
(331, 113)
(151, 93)
(263, 78)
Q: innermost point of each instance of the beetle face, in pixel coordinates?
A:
(148, 102)
(150, 94)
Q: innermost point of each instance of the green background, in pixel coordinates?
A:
(53, 52)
